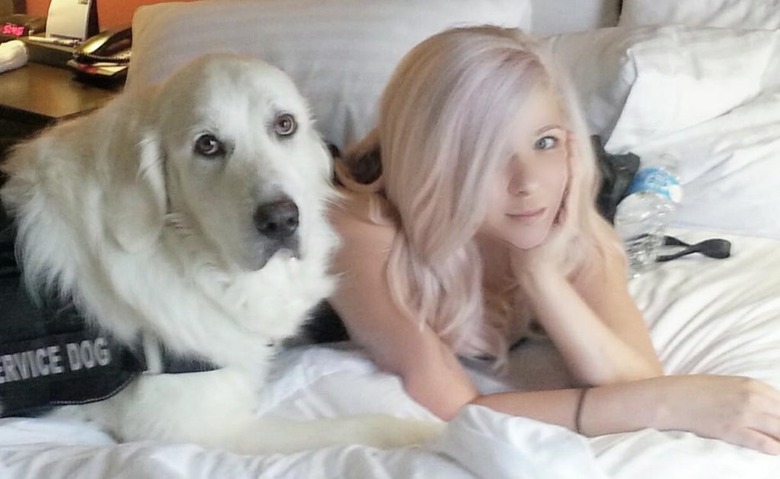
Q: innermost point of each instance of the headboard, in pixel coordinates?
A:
(564, 16)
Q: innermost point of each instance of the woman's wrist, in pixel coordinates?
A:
(578, 412)
(538, 278)
(604, 411)
(659, 409)
(650, 401)
(542, 287)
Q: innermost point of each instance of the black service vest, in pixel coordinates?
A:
(50, 355)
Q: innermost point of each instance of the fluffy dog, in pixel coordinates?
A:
(190, 215)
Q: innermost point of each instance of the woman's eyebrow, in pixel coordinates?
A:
(548, 128)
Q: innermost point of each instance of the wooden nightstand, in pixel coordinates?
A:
(36, 95)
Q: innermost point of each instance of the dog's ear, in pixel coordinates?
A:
(136, 203)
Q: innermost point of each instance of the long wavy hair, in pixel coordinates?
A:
(443, 130)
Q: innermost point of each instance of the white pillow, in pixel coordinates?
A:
(340, 53)
(728, 169)
(684, 77)
(759, 14)
(709, 96)
(595, 61)
(637, 83)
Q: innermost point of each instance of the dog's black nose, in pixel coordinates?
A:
(277, 220)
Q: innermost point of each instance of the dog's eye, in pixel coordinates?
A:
(285, 125)
(208, 145)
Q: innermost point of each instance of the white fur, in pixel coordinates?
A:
(118, 210)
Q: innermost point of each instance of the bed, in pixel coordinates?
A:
(696, 78)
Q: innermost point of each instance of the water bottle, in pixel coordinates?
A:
(642, 216)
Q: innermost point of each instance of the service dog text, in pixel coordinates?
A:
(55, 359)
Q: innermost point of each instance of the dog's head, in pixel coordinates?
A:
(229, 154)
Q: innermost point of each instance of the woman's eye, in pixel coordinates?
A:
(209, 146)
(285, 125)
(546, 143)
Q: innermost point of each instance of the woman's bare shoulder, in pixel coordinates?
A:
(361, 220)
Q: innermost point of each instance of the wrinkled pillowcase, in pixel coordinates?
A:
(746, 14)
(638, 83)
(340, 53)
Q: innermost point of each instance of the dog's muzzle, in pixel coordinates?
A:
(278, 222)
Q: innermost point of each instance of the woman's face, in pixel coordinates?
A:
(528, 190)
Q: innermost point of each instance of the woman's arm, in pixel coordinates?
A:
(591, 318)
(431, 373)
(738, 410)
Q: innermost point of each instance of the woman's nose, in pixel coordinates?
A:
(523, 180)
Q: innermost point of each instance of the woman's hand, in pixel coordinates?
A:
(545, 258)
(550, 254)
(738, 410)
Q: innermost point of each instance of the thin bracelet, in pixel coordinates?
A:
(578, 414)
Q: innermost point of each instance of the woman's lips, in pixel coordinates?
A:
(528, 215)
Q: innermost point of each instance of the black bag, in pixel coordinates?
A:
(617, 172)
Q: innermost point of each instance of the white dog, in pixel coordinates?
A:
(189, 216)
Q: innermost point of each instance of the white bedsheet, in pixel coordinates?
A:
(705, 315)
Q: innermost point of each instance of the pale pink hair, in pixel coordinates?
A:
(443, 127)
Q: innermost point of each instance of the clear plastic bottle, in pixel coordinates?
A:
(643, 215)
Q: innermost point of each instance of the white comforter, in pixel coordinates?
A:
(706, 316)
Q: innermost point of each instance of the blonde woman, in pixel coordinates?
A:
(469, 214)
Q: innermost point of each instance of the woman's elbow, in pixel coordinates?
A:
(444, 397)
